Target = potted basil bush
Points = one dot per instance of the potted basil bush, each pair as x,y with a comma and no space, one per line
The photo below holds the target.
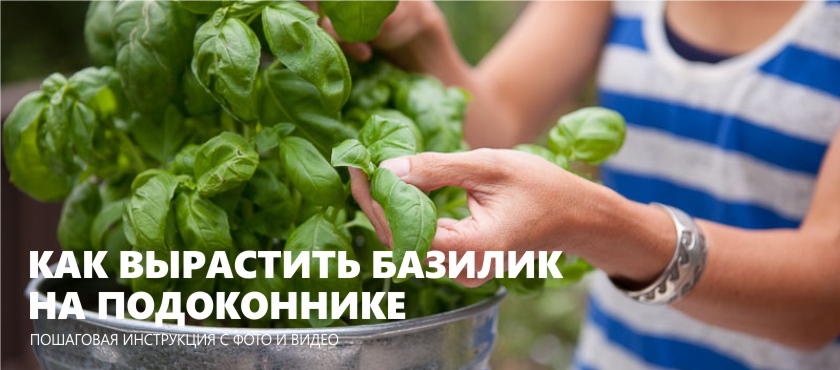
215,126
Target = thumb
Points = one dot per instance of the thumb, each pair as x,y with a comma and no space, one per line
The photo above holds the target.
469,170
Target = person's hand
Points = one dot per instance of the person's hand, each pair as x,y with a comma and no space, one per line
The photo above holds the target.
518,201
405,25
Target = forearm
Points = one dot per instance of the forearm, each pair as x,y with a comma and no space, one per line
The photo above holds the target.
778,284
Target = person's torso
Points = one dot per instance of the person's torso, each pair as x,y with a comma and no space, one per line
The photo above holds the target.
739,142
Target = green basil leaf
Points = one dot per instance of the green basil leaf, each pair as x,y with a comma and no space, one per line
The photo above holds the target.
85,125
147,210
295,38
223,163
202,224
107,233
77,215
358,20
387,136
149,223
311,174
53,84
268,138
92,100
153,39
319,234
161,139
115,189
231,202
99,38
438,111
286,97
244,240
27,168
589,135
369,93
227,56
410,213
114,242
100,89
184,162
274,206
197,101
55,133
110,214
352,153
77,122
262,285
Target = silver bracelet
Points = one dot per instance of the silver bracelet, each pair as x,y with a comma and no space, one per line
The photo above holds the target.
685,267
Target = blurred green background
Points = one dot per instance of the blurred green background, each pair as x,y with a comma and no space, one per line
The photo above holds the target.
38,38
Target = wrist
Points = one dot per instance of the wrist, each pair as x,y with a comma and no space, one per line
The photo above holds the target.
631,242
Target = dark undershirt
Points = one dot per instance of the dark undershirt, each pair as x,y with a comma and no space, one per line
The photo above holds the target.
690,52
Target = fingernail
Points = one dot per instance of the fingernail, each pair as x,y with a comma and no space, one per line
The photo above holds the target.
399,166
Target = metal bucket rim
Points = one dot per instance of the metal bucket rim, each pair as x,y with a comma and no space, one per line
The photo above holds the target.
357,331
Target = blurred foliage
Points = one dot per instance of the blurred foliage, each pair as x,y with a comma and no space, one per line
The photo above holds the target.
37,38
539,332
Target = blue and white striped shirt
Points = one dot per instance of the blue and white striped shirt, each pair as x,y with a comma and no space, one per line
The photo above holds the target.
739,142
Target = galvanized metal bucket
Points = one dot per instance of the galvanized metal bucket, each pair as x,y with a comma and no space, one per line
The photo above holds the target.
459,339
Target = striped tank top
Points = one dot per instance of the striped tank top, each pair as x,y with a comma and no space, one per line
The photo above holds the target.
739,142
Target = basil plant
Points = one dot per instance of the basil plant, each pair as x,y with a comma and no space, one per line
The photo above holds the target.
214,126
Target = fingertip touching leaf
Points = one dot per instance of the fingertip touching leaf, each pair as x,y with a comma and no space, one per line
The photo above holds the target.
410,213
351,153
389,134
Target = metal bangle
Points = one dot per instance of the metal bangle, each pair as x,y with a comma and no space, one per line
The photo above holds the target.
686,265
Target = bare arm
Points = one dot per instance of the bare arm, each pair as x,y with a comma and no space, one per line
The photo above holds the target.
779,284
523,83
